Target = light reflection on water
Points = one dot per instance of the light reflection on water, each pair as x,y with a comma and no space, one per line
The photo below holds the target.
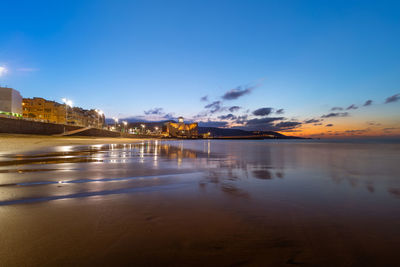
252,202
232,165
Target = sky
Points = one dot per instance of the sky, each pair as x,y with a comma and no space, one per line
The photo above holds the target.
305,68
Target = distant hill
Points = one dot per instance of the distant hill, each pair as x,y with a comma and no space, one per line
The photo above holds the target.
227,132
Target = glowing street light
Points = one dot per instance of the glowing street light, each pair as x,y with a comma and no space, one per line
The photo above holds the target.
115,121
100,113
125,124
67,103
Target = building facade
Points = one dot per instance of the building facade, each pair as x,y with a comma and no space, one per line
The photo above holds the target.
182,129
38,108
85,117
10,102
44,110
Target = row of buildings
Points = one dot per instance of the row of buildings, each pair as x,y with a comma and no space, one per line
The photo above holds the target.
12,104
178,129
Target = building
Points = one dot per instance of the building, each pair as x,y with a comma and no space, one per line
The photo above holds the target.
84,117
182,129
38,108
50,111
10,102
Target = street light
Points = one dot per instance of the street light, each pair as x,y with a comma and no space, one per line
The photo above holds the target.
115,121
100,113
67,103
125,123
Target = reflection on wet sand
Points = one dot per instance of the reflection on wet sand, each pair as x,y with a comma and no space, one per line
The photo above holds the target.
201,203
130,155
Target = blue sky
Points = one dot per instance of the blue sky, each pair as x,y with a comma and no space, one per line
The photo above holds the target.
126,57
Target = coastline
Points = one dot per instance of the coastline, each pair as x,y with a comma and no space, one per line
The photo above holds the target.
20,143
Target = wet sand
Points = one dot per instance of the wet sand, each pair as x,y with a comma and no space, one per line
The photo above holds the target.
202,203
18,143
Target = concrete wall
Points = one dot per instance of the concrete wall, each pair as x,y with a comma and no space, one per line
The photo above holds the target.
21,126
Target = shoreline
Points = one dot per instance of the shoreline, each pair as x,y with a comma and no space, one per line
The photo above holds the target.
21,143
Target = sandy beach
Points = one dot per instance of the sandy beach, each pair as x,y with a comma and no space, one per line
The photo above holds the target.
18,143
196,202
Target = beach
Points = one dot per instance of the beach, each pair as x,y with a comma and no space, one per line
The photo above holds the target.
18,143
200,202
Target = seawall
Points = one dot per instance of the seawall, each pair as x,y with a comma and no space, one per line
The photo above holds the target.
22,126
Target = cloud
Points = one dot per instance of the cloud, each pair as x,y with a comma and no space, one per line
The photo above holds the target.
214,106
253,122
367,103
234,108
263,124
237,92
204,98
266,124
211,123
361,131
373,123
169,116
329,125
262,111
391,129
336,108
241,119
317,134
280,111
288,124
154,111
352,107
340,114
3,70
393,98
227,117
311,121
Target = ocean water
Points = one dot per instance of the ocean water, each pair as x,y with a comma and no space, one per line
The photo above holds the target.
203,202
